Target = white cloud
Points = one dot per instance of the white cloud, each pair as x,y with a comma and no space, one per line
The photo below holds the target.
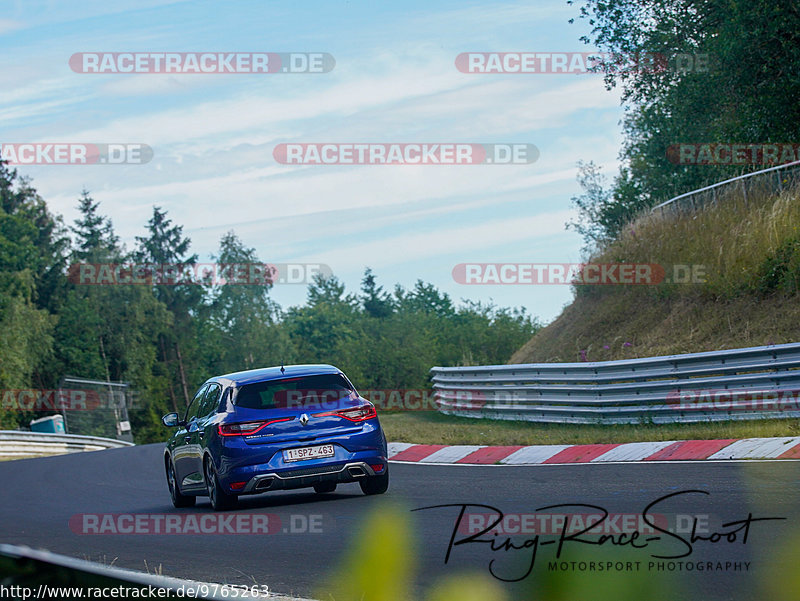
8,25
469,243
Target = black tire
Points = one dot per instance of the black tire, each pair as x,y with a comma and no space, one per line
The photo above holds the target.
178,500
221,500
323,487
375,485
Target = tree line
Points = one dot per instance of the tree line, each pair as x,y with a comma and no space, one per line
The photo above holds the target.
165,340
738,83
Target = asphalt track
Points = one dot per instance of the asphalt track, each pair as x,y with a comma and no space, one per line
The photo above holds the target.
41,496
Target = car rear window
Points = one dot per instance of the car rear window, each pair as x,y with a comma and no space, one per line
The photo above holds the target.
293,392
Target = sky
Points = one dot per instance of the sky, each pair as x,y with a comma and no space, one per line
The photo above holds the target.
394,81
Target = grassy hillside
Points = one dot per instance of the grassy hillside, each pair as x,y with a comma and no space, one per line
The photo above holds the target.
750,252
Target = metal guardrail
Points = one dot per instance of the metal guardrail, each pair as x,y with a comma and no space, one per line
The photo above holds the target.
698,197
35,573
21,444
749,383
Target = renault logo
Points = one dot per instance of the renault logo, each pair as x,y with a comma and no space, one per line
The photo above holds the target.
304,419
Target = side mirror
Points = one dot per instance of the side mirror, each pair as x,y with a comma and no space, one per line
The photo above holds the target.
171,420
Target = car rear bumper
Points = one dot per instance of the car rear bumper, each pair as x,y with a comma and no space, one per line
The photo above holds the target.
246,468
305,477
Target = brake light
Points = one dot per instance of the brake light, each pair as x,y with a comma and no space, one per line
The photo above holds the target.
247,428
354,414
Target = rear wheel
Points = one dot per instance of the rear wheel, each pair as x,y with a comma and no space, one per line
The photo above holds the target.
178,500
220,499
323,487
375,485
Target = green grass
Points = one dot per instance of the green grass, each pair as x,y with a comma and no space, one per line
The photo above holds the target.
750,250
427,427
735,240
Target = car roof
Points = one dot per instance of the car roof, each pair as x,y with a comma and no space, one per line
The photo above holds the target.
240,378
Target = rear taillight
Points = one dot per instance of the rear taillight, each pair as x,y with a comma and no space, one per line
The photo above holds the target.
354,414
247,428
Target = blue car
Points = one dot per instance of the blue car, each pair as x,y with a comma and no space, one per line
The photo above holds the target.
276,428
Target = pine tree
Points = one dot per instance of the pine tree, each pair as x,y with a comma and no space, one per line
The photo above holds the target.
96,240
167,249
376,302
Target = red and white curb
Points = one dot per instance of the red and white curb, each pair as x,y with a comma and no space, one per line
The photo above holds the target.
671,450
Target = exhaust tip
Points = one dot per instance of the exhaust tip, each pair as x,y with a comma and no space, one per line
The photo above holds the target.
264,484
356,471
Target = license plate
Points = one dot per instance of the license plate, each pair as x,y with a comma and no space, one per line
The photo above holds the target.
325,450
